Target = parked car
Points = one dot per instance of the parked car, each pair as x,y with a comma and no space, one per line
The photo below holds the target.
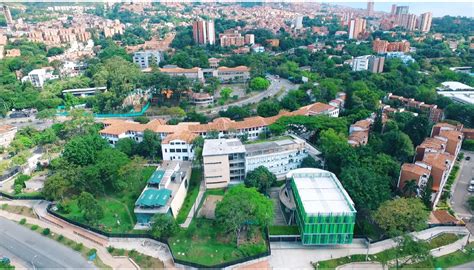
470,188
468,158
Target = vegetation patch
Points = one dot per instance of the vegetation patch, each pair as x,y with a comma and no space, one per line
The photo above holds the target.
19,210
144,261
191,196
283,230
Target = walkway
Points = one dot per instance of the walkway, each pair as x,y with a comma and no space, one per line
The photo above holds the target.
194,208
294,255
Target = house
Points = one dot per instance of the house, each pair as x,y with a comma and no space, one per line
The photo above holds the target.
7,134
178,146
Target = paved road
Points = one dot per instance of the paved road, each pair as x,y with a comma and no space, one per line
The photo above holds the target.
460,194
463,266
275,87
36,251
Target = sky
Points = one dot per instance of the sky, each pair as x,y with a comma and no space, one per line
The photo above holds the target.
438,9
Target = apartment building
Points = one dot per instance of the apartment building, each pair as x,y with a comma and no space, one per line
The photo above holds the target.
325,213
223,162
227,161
238,74
434,113
190,73
252,127
178,146
434,158
370,63
204,32
383,46
164,193
7,134
144,59
357,27
425,22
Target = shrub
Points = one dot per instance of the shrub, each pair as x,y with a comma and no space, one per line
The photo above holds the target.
34,227
110,249
60,238
78,246
470,201
23,221
91,252
46,231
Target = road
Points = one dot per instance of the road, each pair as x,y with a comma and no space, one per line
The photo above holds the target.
36,251
469,265
276,84
460,194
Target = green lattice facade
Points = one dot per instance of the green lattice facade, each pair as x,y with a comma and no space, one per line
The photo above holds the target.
323,229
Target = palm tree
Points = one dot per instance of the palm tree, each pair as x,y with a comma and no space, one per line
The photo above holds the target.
410,188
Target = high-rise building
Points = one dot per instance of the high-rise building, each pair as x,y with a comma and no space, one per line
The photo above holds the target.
425,22
7,14
356,27
203,32
393,10
144,59
401,10
411,22
370,8
370,63
299,22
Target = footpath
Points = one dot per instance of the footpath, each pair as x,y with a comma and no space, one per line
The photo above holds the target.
89,239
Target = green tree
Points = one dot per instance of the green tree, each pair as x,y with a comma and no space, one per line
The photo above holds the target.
260,178
164,226
310,162
259,84
127,146
427,192
150,146
268,108
410,188
243,208
90,208
235,113
225,93
404,149
82,150
401,215
418,128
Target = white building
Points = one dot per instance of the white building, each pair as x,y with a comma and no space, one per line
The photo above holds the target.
227,161
7,134
371,63
145,58
279,157
38,77
178,146
457,91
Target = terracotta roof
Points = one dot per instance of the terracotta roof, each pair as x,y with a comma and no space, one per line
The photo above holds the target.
315,108
438,160
239,68
180,70
451,135
415,169
200,95
433,143
443,217
358,137
365,123
6,128
186,136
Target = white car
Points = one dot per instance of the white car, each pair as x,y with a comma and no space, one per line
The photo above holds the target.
470,188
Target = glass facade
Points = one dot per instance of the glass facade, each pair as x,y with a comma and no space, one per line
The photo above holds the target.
323,228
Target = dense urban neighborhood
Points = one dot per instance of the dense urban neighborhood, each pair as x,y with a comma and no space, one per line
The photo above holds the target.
236,135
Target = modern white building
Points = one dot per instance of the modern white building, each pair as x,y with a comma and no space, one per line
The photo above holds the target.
164,193
457,91
371,63
178,146
38,77
227,161
145,58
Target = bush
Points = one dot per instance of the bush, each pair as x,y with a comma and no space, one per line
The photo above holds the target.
23,221
91,252
60,238
110,249
468,145
46,231
78,247
34,227
470,201
141,119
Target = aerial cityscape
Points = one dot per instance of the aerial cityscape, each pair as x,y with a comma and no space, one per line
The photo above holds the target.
236,135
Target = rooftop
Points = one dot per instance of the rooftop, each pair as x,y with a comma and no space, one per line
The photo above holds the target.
269,147
321,192
213,147
456,86
152,197
156,177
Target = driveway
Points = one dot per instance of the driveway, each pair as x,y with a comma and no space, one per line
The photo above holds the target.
460,195
36,251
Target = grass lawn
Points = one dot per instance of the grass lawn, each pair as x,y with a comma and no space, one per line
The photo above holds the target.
118,208
193,192
389,254
85,252
449,260
203,243
283,230
144,261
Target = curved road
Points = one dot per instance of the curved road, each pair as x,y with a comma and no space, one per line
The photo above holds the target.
35,251
276,84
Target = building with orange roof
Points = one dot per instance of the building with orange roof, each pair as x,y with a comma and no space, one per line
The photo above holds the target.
359,132
194,73
233,74
434,113
418,171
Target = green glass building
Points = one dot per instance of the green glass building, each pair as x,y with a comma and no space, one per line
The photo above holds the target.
325,213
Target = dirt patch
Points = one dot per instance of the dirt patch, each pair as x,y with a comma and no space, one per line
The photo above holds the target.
208,209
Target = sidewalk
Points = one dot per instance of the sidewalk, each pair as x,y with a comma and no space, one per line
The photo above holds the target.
294,255
202,189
